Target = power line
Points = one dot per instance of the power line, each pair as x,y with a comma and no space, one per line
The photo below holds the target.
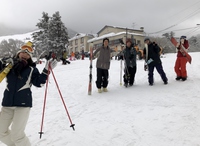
184,9
192,31
181,20
185,28
190,15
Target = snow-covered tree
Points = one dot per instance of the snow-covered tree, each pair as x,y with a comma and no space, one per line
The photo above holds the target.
58,36
10,47
52,34
41,37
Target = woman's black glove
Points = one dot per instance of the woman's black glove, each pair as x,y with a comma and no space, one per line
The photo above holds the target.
19,66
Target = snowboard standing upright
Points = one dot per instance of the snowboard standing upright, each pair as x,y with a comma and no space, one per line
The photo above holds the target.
120,72
146,58
90,74
183,51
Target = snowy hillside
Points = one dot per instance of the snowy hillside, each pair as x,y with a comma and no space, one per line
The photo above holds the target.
22,37
28,36
142,115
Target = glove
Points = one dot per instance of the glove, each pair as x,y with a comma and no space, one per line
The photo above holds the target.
120,57
7,60
145,67
19,66
52,62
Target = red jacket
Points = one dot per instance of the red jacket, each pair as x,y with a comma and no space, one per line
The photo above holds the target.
185,45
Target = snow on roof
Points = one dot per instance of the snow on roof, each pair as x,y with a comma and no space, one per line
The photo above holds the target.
119,27
112,34
80,35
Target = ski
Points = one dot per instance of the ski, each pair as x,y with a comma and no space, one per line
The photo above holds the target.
90,74
121,63
5,71
183,51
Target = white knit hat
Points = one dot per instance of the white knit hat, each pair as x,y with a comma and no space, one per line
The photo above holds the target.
28,48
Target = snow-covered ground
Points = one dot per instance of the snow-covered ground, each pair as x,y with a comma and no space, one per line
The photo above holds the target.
142,115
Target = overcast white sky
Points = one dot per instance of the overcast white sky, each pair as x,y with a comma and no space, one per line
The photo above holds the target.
88,16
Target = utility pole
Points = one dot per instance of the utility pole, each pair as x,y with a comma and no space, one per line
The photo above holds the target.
126,34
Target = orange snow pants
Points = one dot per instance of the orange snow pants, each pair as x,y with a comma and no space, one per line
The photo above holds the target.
180,67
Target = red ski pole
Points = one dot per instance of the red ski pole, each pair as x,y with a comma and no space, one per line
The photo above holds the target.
44,105
72,125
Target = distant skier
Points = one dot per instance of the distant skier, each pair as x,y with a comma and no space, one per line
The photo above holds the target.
129,54
152,57
82,54
72,57
64,58
181,61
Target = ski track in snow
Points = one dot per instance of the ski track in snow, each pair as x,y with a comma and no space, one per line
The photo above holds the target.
142,115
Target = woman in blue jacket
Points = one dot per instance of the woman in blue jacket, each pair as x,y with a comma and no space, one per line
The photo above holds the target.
17,99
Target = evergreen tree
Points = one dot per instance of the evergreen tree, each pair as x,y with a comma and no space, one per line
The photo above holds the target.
40,38
58,36
52,34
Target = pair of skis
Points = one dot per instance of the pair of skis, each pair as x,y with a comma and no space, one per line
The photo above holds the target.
5,71
90,73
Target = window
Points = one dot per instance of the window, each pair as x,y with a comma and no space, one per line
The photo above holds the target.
70,43
76,42
76,49
134,41
138,42
82,40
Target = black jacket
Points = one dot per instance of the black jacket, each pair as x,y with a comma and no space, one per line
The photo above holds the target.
18,90
153,53
130,56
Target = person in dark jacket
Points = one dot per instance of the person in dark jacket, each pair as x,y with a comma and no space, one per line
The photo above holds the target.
152,57
130,63
103,55
17,99
82,54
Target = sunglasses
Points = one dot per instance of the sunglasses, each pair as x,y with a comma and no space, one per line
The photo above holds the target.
27,48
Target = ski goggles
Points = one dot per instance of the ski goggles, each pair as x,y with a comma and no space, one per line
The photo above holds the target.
27,48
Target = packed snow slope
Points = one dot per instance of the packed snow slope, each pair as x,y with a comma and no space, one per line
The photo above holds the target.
142,115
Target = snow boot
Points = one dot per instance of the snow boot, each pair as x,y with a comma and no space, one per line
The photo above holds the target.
105,90
126,85
178,78
99,90
184,78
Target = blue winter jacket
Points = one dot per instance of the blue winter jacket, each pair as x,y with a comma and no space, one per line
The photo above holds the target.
18,90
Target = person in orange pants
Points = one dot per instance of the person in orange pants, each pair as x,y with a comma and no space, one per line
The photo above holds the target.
181,61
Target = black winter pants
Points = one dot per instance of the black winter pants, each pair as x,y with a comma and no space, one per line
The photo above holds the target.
159,69
102,78
129,76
